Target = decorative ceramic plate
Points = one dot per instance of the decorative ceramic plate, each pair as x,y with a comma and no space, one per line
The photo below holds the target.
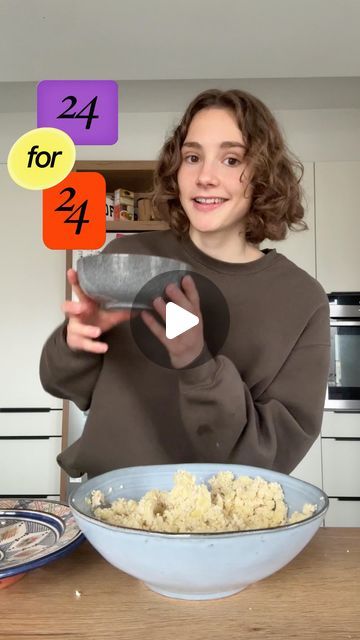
34,532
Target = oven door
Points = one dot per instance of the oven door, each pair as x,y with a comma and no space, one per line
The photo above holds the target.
343,392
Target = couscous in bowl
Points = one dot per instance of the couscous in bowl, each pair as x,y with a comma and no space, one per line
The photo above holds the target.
203,565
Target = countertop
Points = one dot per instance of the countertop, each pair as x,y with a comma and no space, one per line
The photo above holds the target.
81,596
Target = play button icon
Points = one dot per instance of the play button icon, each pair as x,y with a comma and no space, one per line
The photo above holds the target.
178,320
214,314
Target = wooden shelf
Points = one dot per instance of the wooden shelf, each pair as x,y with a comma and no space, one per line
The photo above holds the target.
135,175
115,165
138,225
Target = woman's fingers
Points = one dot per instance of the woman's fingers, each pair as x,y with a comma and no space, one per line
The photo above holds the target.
73,307
85,330
188,298
191,291
87,321
108,319
155,327
83,337
92,346
160,306
74,282
177,296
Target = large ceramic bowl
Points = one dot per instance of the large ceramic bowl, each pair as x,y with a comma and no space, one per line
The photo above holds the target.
119,280
196,566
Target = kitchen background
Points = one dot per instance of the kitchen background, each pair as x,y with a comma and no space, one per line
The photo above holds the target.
308,73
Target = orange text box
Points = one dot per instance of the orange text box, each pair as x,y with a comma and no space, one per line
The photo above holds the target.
74,212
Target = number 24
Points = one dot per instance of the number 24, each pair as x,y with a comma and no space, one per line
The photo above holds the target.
82,207
89,116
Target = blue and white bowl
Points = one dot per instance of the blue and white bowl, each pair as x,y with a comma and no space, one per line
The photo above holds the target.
188,565
34,532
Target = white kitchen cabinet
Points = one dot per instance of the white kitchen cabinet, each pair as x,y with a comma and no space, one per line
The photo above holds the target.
341,468
299,246
340,424
32,290
338,225
343,512
28,466
309,468
35,423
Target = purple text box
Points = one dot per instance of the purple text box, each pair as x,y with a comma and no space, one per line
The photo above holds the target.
97,99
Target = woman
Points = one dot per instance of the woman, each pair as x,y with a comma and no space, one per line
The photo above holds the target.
225,181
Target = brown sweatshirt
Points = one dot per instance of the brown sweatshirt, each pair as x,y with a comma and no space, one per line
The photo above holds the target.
258,402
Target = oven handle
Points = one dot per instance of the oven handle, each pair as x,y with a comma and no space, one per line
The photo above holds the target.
344,323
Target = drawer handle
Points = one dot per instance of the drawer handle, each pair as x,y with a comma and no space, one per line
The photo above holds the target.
28,437
341,438
25,409
343,412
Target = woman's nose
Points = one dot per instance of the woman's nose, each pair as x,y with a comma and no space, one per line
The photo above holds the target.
207,175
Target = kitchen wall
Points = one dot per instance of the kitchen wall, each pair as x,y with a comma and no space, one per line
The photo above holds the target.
314,134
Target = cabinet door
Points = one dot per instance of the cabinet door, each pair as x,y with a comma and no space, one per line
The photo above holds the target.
341,471
32,423
32,290
343,513
338,225
310,468
337,424
29,466
300,246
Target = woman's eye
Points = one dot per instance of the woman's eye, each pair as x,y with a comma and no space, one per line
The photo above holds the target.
233,162
190,158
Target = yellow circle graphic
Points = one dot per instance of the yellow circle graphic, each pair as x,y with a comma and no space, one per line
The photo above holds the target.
41,158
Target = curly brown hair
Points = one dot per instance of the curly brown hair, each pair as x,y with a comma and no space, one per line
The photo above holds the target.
276,173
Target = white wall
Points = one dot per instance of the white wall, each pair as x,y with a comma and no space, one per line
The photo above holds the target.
314,134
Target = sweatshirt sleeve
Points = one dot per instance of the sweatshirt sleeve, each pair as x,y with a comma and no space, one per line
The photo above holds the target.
272,430
67,374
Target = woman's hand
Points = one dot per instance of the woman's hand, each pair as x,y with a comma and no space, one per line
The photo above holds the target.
187,346
87,321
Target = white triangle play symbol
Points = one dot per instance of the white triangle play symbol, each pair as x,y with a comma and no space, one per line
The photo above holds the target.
178,320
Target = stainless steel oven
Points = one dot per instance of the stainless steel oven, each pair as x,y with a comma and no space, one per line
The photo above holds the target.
343,392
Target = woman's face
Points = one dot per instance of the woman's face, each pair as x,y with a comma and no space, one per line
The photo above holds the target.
212,163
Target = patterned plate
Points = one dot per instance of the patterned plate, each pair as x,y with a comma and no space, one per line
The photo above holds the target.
33,533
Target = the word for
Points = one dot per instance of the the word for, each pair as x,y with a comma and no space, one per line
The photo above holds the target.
49,159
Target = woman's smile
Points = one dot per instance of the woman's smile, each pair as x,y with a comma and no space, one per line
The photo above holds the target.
204,204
